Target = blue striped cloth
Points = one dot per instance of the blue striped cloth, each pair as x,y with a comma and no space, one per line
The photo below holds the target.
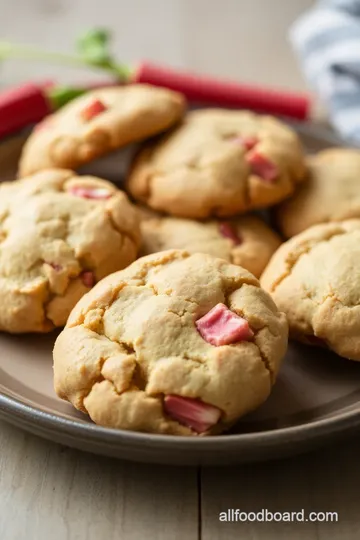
327,39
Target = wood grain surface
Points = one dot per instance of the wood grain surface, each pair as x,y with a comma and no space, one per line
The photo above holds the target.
48,492
322,481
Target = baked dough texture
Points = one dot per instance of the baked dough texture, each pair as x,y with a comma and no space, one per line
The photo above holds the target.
132,343
97,123
246,241
314,278
331,192
59,234
218,163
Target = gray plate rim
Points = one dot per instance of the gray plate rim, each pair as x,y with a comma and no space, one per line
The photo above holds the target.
314,430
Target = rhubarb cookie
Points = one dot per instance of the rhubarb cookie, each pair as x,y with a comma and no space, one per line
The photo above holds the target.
97,123
218,163
175,343
246,241
314,278
59,235
331,193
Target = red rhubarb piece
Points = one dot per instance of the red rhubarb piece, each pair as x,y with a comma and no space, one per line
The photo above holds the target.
90,193
88,278
262,166
246,142
194,413
220,326
94,108
228,231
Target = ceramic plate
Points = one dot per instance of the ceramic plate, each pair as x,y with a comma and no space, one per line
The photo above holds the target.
316,397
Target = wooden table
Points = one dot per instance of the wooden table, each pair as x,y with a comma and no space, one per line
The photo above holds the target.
48,492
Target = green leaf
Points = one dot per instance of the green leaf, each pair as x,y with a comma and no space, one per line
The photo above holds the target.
60,95
94,49
93,46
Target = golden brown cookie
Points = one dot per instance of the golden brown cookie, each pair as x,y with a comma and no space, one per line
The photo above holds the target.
97,123
59,235
331,193
218,163
314,278
175,343
246,241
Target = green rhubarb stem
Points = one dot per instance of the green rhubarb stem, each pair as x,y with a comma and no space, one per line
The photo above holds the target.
9,50
61,95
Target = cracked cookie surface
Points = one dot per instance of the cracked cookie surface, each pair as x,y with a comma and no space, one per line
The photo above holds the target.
314,278
331,192
246,241
137,351
59,235
97,123
218,163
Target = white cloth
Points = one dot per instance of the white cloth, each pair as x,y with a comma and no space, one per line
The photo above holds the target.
327,39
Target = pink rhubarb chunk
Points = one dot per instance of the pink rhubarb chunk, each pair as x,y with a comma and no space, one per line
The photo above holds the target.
221,327
87,278
262,166
90,193
246,142
93,109
227,230
194,413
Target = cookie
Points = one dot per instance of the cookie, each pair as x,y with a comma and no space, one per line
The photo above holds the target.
97,123
314,278
218,163
246,241
59,235
331,193
175,343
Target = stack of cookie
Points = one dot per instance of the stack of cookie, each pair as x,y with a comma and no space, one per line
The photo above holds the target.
62,233
216,165
183,341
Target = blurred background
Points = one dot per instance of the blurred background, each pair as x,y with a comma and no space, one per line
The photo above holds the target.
241,39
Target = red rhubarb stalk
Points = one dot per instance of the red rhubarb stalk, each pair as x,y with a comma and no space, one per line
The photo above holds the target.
21,106
202,89
31,102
